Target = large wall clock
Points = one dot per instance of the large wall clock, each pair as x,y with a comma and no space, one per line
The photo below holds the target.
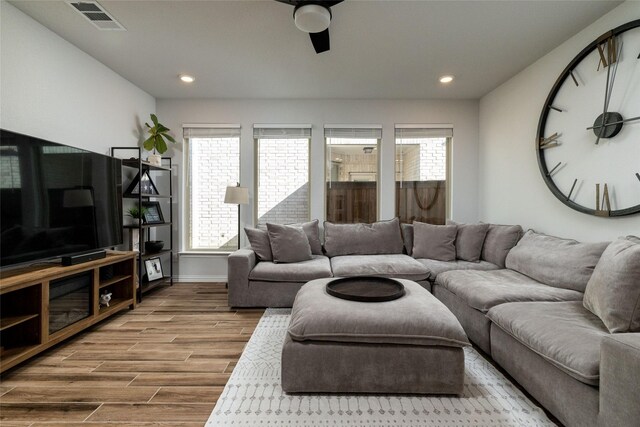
588,140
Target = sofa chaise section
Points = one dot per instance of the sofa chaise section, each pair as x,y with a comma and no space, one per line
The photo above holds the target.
566,358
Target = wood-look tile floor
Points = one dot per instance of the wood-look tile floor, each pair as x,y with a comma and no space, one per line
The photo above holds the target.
164,363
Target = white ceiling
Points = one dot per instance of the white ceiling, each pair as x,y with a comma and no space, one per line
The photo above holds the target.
379,49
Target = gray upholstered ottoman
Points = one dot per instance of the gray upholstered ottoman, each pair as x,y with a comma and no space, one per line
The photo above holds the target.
409,345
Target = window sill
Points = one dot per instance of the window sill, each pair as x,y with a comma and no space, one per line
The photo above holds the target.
203,254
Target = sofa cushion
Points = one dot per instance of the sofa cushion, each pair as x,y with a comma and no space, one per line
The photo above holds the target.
564,333
469,241
483,290
613,292
407,237
417,318
434,241
259,242
382,237
563,263
288,243
395,265
316,268
436,267
498,242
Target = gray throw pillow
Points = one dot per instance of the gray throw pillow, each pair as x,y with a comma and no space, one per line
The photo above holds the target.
259,242
434,241
288,243
383,237
499,241
469,241
312,230
613,292
407,236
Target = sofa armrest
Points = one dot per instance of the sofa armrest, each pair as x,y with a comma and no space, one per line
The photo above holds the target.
240,264
620,380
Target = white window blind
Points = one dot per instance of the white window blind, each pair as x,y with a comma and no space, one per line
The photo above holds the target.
412,132
353,132
211,131
281,131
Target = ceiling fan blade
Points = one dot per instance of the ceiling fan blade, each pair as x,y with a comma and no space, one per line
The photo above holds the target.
320,41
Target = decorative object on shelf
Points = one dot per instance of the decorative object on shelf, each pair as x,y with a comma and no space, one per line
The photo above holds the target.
154,268
587,140
156,141
104,299
153,214
144,185
134,242
153,246
236,195
137,213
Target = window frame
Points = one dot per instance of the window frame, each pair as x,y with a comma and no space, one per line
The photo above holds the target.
379,141
448,152
185,240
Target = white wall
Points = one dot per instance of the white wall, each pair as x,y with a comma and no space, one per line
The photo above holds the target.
511,187
462,114
52,90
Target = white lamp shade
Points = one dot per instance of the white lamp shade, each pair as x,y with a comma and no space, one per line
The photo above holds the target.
237,195
312,18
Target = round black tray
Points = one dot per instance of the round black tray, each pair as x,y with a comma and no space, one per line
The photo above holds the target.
366,289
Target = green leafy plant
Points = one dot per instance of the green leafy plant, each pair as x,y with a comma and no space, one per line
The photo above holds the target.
137,212
158,133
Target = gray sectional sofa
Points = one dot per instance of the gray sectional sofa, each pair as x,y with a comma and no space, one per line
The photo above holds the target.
536,304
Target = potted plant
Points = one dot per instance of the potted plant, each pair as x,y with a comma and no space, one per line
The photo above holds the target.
157,141
137,213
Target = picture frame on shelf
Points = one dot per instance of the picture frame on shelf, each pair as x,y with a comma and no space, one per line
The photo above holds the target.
153,213
154,269
142,185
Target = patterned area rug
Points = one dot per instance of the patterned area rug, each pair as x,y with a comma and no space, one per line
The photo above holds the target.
253,396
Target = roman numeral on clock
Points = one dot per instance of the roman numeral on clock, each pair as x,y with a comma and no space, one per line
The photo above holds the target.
544,142
607,50
606,203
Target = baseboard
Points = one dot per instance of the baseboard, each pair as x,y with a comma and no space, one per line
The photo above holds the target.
196,278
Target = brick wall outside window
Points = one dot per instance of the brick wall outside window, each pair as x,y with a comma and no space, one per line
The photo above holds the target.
283,181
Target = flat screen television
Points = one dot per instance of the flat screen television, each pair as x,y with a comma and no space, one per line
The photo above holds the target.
56,200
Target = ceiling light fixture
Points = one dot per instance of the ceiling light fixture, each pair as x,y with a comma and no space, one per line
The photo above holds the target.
312,18
446,79
187,78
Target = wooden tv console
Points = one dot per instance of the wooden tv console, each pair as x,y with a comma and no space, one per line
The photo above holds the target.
25,302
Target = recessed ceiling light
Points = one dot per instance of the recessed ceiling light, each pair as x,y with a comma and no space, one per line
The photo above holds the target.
187,78
446,79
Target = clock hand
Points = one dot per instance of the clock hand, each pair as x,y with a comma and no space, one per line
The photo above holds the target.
615,123
607,93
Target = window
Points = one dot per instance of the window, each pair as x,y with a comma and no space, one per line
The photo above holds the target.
421,173
282,175
213,163
352,173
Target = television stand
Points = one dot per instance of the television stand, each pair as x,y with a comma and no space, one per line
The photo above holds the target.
42,306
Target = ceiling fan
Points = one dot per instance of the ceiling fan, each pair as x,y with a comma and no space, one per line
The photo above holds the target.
314,17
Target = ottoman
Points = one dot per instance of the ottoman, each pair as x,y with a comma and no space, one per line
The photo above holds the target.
411,345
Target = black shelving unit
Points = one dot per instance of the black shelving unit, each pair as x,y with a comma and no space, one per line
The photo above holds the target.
135,162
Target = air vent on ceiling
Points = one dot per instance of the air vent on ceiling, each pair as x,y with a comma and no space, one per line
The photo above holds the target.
95,14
